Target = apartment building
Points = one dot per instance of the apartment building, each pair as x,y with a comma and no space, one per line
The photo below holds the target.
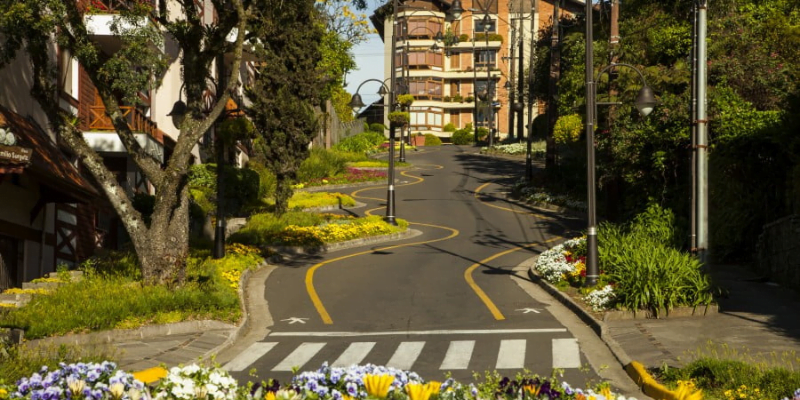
450,64
50,212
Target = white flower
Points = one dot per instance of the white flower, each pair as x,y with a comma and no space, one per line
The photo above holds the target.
601,299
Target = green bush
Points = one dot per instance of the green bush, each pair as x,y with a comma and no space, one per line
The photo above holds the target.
266,179
376,127
450,127
462,136
651,274
321,164
568,129
361,143
242,186
432,140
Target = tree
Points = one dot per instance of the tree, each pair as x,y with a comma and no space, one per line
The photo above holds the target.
288,86
31,27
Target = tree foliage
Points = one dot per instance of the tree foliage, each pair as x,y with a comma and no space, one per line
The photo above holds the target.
287,88
32,28
753,99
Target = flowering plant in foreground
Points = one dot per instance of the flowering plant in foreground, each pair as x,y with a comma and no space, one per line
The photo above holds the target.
89,381
197,382
567,262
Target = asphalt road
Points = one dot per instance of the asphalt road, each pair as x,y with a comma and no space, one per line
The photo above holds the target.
445,300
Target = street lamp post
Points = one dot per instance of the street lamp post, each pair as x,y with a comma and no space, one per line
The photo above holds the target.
645,101
356,103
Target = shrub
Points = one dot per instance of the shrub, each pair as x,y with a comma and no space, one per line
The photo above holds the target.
432,140
266,179
568,129
458,98
377,127
308,229
405,100
399,118
469,99
450,127
242,185
321,164
463,37
462,136
305,200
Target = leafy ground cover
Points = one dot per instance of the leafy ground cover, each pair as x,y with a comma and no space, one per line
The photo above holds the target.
350,175
111,295
306,229
725,373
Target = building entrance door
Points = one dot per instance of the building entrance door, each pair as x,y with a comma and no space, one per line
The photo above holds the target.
9,258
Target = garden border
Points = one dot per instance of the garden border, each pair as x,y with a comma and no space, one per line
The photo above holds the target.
634,369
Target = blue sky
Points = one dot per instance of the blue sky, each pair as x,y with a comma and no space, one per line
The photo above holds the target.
369,59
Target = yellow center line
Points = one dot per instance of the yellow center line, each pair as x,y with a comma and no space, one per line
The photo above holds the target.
481,294
312,292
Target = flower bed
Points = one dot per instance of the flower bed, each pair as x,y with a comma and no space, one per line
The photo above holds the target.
351,175
104,381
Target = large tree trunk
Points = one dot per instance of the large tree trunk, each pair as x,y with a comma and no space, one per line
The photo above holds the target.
164,247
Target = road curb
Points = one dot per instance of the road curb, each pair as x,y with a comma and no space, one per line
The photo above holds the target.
635,370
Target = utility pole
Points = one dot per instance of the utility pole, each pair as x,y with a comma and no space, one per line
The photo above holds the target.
693,125
511,76
702,135
555,75
528,156
521,65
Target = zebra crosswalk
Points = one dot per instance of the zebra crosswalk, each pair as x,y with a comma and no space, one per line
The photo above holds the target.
458,355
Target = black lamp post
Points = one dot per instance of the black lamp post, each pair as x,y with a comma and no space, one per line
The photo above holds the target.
356,103
645,102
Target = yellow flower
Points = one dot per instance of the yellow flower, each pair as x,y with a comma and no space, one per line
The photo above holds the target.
270,395
434,386
116,390
378,385
418,391
3,393
686,392
606,392
531,390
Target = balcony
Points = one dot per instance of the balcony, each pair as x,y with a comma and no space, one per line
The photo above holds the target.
112,6
99,16
102,136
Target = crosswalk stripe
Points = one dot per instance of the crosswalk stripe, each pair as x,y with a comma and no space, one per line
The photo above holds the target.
415,333
405,355
249,356
511,354
354,354
301,355
458,354
566,353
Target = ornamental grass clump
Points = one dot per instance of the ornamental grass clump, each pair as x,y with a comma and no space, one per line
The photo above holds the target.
639,268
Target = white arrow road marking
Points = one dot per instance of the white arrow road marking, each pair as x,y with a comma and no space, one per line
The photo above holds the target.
528,310
292,320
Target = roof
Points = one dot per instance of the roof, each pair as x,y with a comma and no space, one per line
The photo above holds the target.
51,168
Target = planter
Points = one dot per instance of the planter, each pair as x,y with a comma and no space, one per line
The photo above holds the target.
417,140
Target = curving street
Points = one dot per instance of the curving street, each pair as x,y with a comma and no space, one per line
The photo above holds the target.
449,297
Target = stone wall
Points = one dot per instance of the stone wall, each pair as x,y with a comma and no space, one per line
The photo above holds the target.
777,251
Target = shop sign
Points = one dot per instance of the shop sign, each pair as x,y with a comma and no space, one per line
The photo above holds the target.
10,154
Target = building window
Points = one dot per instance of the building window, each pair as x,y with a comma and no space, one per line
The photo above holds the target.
422,28
485,58
68,73
426,118
479,26
480,86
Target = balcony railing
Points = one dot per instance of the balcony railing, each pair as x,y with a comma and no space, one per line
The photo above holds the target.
112,6
138,122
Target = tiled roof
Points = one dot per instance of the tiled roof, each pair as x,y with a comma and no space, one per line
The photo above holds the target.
48,164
